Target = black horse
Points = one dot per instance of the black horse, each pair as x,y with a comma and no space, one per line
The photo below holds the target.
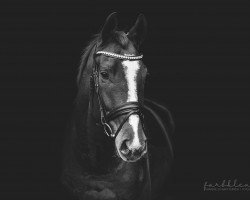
118,145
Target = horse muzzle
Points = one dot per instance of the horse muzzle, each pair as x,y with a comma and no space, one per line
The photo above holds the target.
130,152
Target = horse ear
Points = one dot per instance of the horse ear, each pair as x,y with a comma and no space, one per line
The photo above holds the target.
138,32
109,26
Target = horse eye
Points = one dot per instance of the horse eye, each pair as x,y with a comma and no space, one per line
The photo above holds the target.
105,75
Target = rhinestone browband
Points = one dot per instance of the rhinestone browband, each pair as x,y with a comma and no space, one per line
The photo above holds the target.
123,57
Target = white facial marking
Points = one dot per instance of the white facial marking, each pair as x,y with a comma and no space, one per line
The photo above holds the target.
134,122
131,69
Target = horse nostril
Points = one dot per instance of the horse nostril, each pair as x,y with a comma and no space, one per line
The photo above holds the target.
124,148
144,147
141,149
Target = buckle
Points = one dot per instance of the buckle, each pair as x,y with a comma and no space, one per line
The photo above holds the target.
108,130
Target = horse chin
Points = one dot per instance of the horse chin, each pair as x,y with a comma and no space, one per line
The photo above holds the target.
132,158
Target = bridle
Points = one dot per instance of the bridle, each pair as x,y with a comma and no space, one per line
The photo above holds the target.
126,109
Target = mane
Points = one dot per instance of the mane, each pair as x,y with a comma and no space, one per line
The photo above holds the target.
85,57
118,37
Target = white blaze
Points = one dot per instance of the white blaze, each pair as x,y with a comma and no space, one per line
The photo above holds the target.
131,69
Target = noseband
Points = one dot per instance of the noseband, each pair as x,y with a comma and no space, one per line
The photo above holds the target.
127,109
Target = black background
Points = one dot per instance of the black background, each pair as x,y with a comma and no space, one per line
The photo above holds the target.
196,52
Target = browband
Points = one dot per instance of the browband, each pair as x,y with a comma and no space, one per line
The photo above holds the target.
122,57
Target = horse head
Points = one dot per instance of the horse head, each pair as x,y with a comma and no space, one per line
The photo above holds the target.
118,79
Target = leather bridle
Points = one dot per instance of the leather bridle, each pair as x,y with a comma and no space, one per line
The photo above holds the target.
127,109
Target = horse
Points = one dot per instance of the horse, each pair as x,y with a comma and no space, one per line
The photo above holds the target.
118,145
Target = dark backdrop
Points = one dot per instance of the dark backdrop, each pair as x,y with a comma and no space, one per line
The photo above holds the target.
196,52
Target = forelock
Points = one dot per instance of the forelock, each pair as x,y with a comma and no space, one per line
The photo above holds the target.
121,38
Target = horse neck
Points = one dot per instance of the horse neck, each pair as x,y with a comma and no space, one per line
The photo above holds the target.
97,147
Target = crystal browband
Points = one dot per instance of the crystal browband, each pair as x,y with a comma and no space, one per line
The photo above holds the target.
122,57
